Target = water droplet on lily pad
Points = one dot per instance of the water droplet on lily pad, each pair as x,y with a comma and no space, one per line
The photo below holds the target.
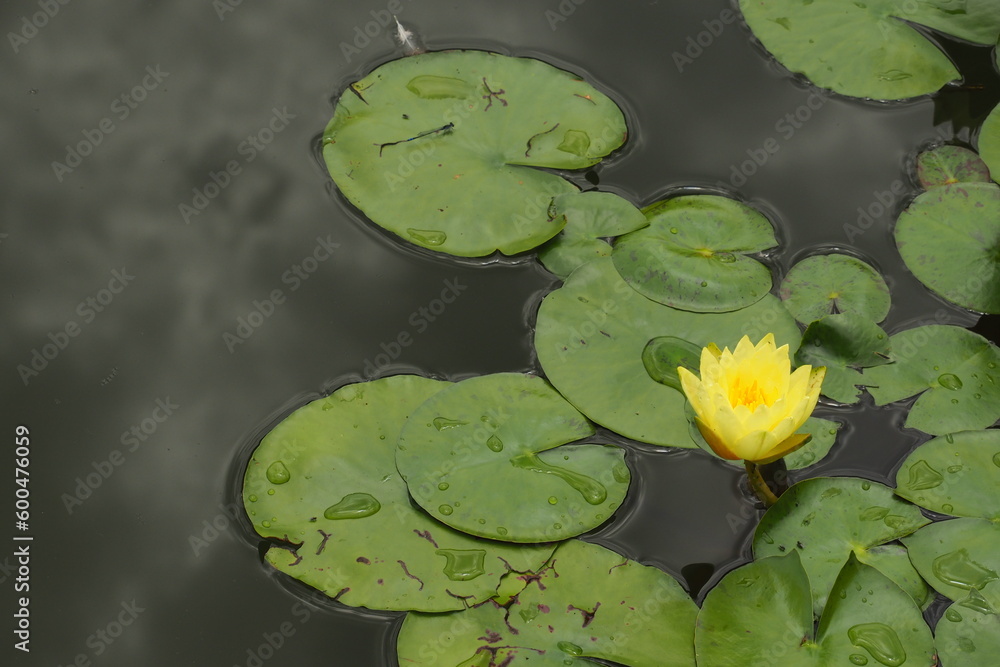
253,498
463,564
277,473
953,615
866,485
495,443
553,500
996,459
858,659
591,490
270,492
977,602
880,641
947,508
353,506
874,514
950,381
958,569
443,486
570,648
501,530
923,476
443,423
446,509
430,237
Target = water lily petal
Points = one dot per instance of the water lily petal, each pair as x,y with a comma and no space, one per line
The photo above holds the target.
717,444
755,445
786,447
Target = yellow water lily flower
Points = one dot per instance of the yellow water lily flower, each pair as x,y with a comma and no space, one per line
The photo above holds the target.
748,403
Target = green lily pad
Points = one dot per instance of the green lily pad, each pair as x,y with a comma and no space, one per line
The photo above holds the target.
828,284
589,602
590,336
441,148
826,519
953,369
968,634
324,480
956,474
843,343
692,255
824,435
947,165
869,49
957,555
590,217
484,457
949,238
762,614
989,138
893,561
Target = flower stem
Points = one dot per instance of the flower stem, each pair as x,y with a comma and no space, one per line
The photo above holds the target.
758,485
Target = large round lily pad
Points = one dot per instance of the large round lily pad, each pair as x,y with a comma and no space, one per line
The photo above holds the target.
590,217
591,334
761,614
957,556
869,49
589,602
828,518
693,254
829,284
949,237
954,370
957,474
441,148
484,457
324,481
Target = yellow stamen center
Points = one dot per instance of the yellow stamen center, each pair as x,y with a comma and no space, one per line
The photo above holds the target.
750,395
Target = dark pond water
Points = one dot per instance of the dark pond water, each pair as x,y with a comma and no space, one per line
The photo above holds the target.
140,414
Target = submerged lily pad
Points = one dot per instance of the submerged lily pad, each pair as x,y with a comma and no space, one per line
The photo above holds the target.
692,255
663,355
947,165
869,49
949,238
829,284
968,634
484,457
441,148
989,137
957,474
957,555
953,369
826,519
590,217
590,336
762,614
324,480
843,344
588,602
